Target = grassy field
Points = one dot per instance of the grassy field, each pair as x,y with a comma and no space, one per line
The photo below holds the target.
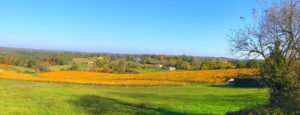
23,69
12,68
26,97
59,68
150,70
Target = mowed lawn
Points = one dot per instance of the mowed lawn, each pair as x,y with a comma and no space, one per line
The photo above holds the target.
30,98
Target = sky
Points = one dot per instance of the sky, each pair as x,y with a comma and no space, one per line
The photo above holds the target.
173,27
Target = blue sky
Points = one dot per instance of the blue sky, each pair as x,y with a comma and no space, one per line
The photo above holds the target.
177,27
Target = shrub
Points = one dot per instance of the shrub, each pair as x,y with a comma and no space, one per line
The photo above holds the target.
74,67
246,82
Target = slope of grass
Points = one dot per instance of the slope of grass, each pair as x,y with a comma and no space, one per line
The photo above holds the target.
27,98
60,67
24,69
150,69
84,67
9,68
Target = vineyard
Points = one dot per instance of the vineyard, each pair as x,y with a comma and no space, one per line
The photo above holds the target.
7,67
181,78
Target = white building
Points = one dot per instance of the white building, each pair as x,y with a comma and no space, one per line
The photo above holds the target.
172,68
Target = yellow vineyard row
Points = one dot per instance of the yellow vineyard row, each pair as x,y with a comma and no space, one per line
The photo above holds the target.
147,79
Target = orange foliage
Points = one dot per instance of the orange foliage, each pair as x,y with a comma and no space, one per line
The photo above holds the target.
147,79
7,67
16,76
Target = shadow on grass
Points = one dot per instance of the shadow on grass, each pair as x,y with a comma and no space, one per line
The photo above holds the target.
230,86
221,85
96,105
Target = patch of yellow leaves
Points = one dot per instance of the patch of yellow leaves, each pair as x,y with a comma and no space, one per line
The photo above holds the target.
147,79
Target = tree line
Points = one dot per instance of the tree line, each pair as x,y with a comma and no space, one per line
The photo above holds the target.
41,60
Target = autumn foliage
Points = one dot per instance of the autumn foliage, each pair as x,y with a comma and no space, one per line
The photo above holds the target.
179,78
7,67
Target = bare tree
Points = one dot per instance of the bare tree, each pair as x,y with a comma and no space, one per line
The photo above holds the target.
275,37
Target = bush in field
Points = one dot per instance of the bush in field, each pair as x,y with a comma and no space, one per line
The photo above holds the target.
74,67
247,82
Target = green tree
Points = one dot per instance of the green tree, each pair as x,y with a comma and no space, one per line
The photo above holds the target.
74,67
253,63
240,63
276,39
31,63
101,62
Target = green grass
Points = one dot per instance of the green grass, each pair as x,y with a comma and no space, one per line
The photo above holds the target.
153,69
29,98
59,68
150,69
84,66
24,69
67,67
